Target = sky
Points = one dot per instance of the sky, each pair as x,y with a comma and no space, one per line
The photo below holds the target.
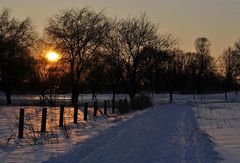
218,20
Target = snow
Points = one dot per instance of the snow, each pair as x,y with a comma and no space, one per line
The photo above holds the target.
30,99
222,122
35,147
165,133
195,128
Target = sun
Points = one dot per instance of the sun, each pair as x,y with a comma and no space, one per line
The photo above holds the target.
52,56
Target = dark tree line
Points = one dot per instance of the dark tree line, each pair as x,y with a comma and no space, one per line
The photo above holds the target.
16,63
98,53
230,64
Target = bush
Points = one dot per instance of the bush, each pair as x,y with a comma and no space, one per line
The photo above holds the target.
141,102
123,106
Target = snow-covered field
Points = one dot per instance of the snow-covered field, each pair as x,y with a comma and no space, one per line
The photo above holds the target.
37,146
58,99
222,122
215,129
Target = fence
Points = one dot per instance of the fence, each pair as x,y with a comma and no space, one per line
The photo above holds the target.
76,116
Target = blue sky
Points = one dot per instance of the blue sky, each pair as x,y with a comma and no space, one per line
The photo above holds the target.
217,20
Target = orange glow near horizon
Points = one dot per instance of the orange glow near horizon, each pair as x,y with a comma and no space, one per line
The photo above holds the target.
52,56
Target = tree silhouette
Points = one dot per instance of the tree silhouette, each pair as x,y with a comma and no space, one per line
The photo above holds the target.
228,63
231,66
16,38
237,54
79,35
130,39
202,45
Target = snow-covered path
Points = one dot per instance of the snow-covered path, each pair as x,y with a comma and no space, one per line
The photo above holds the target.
166,133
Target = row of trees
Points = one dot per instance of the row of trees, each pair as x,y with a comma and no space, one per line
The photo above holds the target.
104,54
231,66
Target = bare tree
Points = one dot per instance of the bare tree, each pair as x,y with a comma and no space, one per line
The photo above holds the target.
79,35
229,64
49,73
16,38
236,50
175,68
113,57
130,39
202,45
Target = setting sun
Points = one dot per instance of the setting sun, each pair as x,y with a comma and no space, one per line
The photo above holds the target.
52,56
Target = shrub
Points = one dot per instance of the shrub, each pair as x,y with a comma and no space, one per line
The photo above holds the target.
123,106
141,102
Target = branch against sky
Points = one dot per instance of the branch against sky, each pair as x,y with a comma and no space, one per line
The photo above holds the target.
78,34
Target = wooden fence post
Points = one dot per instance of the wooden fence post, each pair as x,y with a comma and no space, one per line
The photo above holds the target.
95,109
75,119
105,107
21,123
61,116
85,111
44,119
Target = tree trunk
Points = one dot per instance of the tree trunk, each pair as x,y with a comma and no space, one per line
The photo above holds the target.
132,89
132,96
74,99
171,96
113,95
236,89
8,96
75,93
93,95
225,92
6,85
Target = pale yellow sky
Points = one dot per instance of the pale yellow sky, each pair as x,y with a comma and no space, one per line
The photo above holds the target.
217,20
